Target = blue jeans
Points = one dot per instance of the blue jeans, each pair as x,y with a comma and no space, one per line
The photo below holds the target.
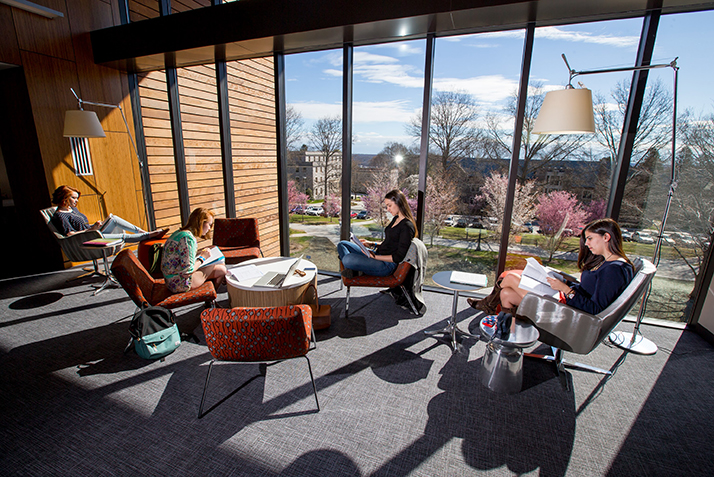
117,228
352,257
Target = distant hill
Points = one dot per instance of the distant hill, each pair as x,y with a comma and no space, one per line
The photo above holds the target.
362,159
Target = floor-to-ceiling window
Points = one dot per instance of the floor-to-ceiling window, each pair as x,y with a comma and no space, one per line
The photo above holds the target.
388,93
475,82
314,140
689,225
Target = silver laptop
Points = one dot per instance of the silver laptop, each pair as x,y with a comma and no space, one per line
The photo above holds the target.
276,279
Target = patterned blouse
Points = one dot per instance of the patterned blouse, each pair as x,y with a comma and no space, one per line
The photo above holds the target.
178,259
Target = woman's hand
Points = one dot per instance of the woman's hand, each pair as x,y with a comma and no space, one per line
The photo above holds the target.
96,225
557,285
205,253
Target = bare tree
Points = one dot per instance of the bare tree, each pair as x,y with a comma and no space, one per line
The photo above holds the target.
537,150
326,137
451,133
653,133
493,194
293,127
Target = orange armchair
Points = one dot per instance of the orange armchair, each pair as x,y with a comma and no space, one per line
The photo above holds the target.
144,290
394,280
257,335
238,239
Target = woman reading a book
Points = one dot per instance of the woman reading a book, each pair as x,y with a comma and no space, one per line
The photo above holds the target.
383,258
606,272
181,262
69,221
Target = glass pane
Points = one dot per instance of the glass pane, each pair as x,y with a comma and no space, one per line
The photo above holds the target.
475,77
689,223
563,180
314,136
388,89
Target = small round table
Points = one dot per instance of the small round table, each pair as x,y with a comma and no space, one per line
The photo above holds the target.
108,277
443,279
242,293
502,362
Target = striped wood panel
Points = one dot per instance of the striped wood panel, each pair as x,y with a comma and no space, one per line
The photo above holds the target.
159,149
202,142
252,109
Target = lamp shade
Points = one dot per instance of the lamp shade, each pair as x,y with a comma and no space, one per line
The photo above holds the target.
566,111
79,123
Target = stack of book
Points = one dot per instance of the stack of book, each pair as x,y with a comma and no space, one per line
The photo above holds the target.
103,242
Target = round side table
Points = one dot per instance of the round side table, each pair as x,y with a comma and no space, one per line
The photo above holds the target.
502,363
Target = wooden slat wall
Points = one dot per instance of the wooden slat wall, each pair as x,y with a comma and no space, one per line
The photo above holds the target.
159,149
56,55
143,9
252,107
202,143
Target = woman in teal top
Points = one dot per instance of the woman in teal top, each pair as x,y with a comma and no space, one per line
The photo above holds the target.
180,260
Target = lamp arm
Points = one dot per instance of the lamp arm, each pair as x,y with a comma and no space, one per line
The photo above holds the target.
113,106
573,73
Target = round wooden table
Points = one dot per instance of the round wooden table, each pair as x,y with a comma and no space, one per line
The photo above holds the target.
242,293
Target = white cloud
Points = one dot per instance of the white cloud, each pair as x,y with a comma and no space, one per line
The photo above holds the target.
485,89
555,33
559,34
363,111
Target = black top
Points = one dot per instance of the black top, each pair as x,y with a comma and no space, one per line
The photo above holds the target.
66,222
599,288
397,239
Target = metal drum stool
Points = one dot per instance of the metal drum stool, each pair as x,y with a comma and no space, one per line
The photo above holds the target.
502,363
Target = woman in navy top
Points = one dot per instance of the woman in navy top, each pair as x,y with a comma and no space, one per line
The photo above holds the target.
606,271
398,237
68,220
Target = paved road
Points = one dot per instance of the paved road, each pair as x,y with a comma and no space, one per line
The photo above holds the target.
673,269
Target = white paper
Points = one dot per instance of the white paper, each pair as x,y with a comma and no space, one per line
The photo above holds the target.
365,250
534,278
215,255
474,279
245,272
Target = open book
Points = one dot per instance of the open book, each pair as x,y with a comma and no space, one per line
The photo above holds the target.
365,250
533,278
215,257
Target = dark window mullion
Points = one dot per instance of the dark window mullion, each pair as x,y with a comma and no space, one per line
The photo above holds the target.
516,148
281,148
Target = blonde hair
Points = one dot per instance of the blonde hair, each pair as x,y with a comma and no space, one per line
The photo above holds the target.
196,220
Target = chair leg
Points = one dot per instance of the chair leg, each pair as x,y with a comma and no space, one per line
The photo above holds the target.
205,389
314,388
347,303
411,303
91,272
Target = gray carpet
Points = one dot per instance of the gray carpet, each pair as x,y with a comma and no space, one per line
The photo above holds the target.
394,401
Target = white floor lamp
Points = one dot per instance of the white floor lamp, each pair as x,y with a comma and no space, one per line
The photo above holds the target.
570,111
81,123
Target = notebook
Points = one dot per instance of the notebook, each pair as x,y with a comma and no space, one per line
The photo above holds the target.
276,279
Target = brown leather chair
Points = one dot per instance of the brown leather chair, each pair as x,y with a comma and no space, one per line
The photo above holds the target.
258,335
145,290
238,239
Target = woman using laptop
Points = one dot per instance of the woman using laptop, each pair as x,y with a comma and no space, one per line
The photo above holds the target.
180,259
384,257
68,220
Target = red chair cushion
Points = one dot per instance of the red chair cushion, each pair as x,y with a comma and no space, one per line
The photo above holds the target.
390,281
258,334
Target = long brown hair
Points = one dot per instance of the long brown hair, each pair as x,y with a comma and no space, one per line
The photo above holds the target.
588,260
62,194
400,199
196,220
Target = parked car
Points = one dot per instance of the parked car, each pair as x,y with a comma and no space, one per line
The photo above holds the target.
532,227
461,222
362,214
626,235
449,221
642,236
353,214
314,210
296,210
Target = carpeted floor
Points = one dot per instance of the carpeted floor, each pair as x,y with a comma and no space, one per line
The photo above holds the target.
394,401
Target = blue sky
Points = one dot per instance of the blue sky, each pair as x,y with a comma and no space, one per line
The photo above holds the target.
388,78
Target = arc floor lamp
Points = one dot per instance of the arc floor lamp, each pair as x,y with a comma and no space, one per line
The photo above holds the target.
82,123
570,111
